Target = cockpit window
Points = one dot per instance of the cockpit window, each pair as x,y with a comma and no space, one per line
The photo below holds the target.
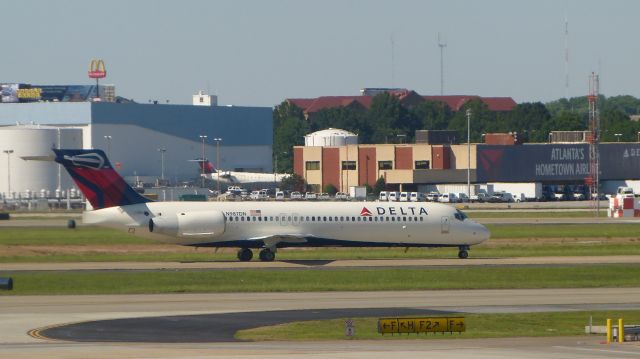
460,216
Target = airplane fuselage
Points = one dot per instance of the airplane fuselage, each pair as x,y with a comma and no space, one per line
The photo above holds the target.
277,224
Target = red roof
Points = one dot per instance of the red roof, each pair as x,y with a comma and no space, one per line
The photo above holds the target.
312,105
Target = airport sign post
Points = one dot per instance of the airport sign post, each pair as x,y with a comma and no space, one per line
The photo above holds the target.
421,325
349,328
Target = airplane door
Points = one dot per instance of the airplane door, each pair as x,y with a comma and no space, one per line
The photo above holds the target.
444,225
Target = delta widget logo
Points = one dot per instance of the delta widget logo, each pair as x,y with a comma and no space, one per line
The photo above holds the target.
365,212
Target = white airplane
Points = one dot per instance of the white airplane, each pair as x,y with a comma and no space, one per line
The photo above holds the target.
265,225
235,177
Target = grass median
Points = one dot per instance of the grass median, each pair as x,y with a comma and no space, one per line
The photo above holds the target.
478,326
272,280
90,244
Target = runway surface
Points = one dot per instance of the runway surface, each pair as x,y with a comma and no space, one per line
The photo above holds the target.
21,314
321,264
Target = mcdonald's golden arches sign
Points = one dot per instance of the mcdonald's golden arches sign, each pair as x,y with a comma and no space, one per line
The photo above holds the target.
97,70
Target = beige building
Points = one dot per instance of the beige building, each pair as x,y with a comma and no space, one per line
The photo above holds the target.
403,166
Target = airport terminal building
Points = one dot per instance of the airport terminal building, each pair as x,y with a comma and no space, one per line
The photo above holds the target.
423,166
133,136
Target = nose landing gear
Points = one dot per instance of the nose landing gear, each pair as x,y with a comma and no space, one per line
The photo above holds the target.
463,252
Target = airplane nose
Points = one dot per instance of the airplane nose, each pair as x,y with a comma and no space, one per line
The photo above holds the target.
482,232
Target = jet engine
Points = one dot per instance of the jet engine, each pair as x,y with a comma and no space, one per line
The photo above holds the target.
197,224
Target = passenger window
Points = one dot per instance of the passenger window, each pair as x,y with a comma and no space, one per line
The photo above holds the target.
307,218
335,218
329,219
409,219
289,218
353,219
421,219
324,219
393,219
260,219
404,219
341,218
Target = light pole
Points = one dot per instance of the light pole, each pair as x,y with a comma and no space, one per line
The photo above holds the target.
8,152
162,150
218,139
108,139
468,153
617,136
203,138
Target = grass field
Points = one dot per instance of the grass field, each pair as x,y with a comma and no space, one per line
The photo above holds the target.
479,214
263,280
98,244
478,326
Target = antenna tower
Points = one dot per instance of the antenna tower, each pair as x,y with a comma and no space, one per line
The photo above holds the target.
593,181
566,59
393,62
442,45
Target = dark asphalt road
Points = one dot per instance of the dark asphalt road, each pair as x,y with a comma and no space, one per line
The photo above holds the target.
209,328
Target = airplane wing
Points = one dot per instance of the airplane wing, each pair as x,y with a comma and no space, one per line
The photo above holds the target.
46,158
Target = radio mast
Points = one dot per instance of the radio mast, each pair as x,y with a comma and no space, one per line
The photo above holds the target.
594,140
442,45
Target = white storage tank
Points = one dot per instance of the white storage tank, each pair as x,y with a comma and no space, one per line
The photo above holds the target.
20,178
331,137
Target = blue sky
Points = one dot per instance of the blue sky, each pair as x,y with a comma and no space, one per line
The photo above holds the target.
258,53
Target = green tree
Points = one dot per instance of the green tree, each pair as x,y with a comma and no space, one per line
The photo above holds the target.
379,186
289,128
390,120
330,189
432,115
482,121
293,183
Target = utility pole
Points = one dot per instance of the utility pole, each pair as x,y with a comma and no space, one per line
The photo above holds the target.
203,138
218,139
162,151
442,45
468,153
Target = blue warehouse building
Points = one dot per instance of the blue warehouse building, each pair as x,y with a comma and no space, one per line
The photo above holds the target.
132,134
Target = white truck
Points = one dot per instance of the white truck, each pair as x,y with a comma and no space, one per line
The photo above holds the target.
525,191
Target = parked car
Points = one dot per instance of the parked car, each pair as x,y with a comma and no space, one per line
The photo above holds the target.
579,196
433,196
462,197
324,196
448,198
384,196
417,197
518,197
295,195
501,197
404,197
480,197
279,196
394,196
310,195
341,196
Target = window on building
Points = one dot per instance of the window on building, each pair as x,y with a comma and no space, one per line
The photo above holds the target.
422,165
385,165
312,165
348,165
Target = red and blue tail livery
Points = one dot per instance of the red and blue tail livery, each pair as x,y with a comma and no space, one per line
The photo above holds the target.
95,177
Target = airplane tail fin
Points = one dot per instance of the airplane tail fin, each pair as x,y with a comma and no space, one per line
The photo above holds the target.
206,166
99,182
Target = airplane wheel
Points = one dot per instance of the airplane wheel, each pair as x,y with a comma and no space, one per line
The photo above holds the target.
463,254
245,254
267,255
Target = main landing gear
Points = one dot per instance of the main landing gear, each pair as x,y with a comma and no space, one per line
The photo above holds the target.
245,254
463,253
266,255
